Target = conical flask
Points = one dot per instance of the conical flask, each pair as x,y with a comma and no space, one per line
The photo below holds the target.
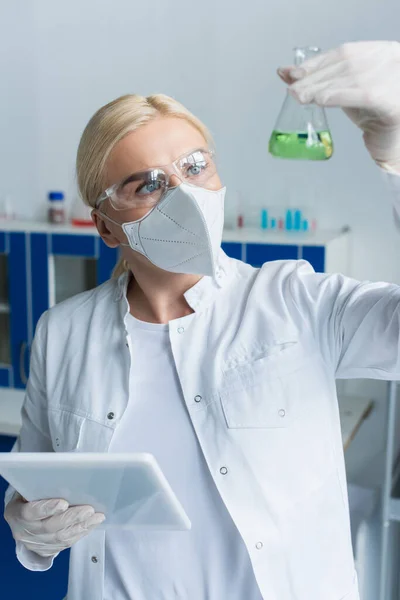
301,130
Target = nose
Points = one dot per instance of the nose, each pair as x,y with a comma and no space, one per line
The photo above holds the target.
174,181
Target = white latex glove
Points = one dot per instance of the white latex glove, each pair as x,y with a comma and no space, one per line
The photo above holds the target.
363,78
49,526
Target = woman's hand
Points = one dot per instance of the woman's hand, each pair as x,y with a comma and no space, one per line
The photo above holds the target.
49,526
363,78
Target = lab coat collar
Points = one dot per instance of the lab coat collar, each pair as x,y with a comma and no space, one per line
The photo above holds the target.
203,292
198,297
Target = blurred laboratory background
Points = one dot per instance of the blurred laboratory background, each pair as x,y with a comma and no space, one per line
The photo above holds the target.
61,61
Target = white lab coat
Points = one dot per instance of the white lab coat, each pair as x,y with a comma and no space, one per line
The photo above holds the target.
262,350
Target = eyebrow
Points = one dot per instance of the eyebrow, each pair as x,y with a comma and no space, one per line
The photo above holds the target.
141,175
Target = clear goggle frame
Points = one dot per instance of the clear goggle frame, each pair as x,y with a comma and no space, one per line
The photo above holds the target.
145,189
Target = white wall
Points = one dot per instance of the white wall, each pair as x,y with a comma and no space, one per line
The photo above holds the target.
62,61
217,57
91,52
18,106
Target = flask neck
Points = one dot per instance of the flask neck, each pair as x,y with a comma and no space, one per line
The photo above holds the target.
303,53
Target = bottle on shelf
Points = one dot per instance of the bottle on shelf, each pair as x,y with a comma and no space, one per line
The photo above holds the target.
56,209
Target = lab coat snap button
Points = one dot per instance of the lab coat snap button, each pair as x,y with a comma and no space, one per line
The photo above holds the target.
110,416
181,329
282,413
259,545
57,441
94,559
223,470
197,398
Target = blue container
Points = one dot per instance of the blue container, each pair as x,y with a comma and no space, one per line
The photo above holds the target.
289,220
56,210
297,220
264,219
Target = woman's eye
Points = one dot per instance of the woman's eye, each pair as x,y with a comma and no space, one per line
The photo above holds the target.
196,169
148,188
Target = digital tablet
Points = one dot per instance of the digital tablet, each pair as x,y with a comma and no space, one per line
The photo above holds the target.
130,489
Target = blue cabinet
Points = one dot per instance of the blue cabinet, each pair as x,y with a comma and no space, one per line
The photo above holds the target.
14,312
233,249
315,255
28,278
41,264
44,249
325,252
258,254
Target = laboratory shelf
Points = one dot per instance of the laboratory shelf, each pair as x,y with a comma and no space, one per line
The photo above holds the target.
390,512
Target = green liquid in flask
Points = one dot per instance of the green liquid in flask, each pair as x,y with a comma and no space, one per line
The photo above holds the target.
301,145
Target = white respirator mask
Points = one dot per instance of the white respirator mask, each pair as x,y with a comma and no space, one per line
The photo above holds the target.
181,234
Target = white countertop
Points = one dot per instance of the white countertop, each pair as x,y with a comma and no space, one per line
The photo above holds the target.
297,238
44,227
246,234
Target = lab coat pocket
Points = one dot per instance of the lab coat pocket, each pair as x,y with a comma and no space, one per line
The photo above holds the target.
65,430
253,394
258,404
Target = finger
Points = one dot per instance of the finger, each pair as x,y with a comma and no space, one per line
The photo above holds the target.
325,59
309,95
42,509
309,66
51,543
343,98
75,514
74,533
321,92
354,51
284,74
325,75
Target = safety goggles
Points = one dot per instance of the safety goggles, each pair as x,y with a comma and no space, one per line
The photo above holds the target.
145,189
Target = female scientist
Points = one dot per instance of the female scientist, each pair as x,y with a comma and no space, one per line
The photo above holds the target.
224,372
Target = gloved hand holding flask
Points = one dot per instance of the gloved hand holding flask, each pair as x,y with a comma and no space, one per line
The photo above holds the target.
363,79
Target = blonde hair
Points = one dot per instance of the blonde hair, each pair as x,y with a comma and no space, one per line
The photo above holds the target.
107,127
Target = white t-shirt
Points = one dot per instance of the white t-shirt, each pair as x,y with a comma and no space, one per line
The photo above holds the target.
209,562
